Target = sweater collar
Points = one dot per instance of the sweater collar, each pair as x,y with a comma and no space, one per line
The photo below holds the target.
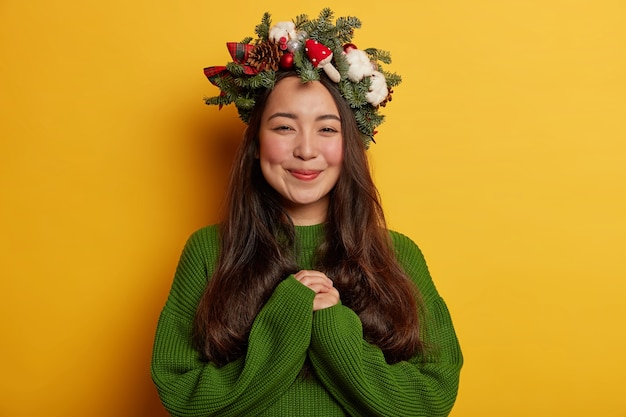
310,236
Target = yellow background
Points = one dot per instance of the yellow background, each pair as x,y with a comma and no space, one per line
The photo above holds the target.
503,156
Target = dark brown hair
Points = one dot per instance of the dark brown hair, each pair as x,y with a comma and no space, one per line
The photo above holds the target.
258,252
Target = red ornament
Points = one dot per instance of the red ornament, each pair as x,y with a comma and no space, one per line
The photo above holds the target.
286,61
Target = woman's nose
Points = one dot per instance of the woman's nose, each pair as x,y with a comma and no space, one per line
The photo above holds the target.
305,148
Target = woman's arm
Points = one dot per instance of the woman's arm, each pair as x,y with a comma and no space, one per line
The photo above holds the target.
276,353
356,373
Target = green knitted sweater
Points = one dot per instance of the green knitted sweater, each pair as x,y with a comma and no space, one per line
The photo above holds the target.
351,376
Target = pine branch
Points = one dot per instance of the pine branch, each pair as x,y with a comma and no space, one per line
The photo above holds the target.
326,14
263,29
379,55
244,103
392,78
341,63
300,21
345,28
235,69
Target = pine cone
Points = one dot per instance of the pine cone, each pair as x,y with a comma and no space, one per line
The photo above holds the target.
265,56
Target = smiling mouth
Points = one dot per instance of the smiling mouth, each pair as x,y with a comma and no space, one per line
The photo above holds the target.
304,175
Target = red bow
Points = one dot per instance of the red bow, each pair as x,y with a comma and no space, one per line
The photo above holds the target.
239,52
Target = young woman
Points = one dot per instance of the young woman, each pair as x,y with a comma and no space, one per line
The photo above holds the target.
301,302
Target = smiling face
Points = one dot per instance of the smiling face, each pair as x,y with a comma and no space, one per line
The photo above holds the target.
301,147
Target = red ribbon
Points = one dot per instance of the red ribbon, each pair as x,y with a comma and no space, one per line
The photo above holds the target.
239,52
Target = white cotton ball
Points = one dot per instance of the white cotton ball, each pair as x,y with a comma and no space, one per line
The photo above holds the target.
360,65
285,30
378,89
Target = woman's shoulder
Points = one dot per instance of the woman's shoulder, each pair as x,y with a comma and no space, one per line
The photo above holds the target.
403,243
204,241
407,251
412,260
207,233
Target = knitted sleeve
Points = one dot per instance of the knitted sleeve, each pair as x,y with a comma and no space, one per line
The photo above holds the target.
356,373
276,352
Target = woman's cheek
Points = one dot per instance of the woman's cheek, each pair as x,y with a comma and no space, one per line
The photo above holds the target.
334,154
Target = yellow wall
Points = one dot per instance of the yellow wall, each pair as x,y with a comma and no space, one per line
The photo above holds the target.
504,157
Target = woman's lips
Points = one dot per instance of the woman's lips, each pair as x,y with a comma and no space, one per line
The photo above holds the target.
304,174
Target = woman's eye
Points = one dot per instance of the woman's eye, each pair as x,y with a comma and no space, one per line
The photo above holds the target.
280,128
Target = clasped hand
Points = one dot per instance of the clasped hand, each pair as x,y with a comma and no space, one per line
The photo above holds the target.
326,295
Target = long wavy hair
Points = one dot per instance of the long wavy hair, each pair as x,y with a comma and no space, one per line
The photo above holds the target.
258,252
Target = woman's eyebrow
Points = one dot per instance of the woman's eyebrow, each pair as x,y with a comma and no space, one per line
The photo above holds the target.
329,117
282,114
293,116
